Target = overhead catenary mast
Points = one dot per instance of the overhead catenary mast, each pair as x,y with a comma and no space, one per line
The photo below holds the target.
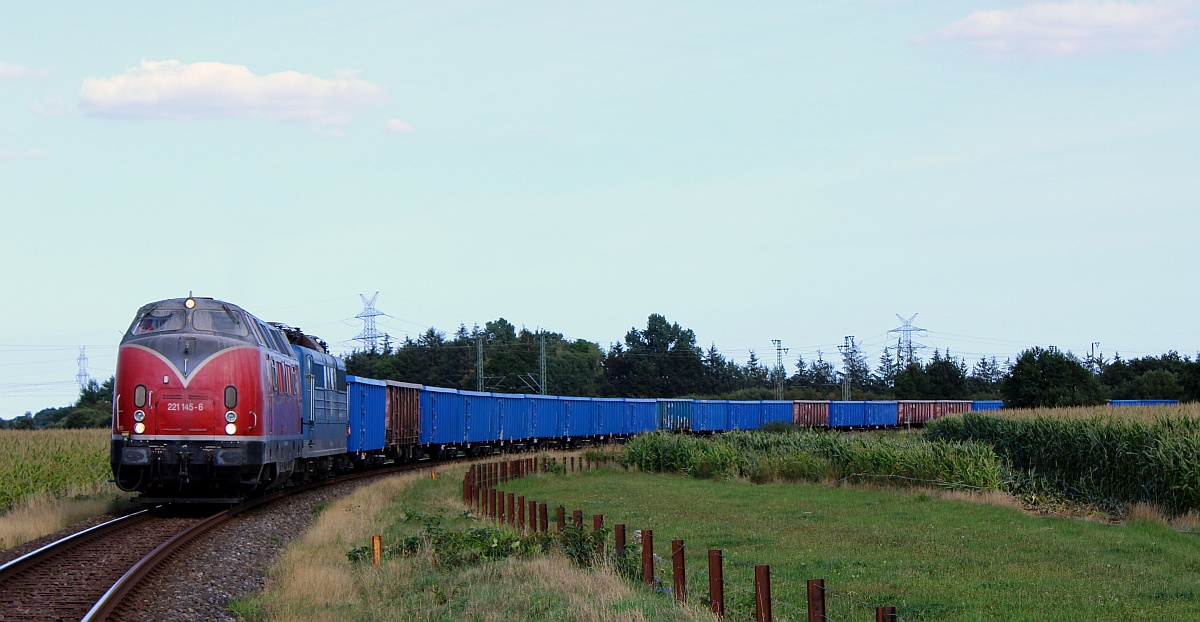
848,350
779,374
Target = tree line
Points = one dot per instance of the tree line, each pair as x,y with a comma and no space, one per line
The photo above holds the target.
92,409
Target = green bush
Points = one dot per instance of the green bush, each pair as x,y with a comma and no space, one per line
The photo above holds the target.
810,455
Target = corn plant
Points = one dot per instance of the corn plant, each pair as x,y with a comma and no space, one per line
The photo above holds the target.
51,462
1103,459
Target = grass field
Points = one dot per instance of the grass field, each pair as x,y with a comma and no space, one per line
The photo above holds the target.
50,478
934,558
316,580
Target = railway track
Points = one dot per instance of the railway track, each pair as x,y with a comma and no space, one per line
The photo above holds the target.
89,575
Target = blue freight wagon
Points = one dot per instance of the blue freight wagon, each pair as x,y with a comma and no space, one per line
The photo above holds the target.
482,416
675,415
1122,403
641,415
776,411
986,405
710,415
579,416
368,412
744,415
443,417
548,416
610,414
882,414
862,414
516,417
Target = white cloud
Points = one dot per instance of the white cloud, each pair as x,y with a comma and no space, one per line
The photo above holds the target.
22,154
174,90
12,71
396,126
1076,27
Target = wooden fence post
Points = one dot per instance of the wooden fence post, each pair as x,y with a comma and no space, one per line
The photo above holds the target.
885,614
521,513
619,536
597,525
648,556
545,524
716,582
678,570
762,593
577,517
816,600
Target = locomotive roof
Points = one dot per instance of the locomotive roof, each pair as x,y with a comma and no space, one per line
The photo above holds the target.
192,303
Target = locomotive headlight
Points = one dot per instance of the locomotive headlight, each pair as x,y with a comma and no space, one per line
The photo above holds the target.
139,428
139,415
231,428
231,416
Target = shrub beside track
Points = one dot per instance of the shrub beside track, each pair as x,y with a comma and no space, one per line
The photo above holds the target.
813,455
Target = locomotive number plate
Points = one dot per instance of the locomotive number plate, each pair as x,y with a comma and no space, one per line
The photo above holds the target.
186,407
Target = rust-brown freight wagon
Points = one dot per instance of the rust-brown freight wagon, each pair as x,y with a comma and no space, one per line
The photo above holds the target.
810,413
953,407
915,412
403,426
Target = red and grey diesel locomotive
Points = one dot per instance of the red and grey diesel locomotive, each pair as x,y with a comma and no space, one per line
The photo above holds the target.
211,403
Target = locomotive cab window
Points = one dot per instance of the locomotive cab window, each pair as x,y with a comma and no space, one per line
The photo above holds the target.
219,322
157,321
280,342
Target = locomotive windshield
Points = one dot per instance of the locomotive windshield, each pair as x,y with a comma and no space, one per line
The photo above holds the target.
227,322
157,320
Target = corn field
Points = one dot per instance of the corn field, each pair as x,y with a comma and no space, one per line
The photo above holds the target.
815,455
1108,459
51,462
1127,413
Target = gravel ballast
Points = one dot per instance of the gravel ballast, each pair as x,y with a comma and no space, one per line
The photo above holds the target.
228,562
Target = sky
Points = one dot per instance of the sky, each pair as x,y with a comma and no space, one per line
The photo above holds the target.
1015,173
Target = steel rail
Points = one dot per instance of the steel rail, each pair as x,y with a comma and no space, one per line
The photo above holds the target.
33,558
112,599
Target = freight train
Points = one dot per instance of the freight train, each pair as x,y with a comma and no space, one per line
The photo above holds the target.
212,404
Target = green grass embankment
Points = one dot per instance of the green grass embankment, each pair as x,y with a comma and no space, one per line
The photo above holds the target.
451,572
934,558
